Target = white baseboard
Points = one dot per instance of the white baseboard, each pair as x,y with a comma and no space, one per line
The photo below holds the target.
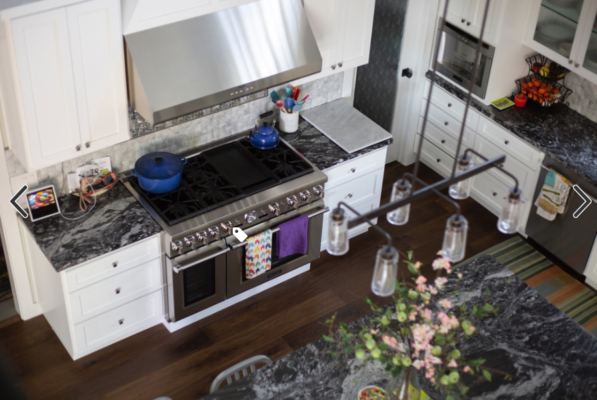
174,326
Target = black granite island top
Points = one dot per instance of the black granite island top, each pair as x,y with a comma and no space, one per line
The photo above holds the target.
559,131
321,151
550,355
117,220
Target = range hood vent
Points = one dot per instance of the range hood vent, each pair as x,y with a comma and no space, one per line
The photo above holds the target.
177,69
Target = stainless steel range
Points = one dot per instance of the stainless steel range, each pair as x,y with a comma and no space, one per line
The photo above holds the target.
227,185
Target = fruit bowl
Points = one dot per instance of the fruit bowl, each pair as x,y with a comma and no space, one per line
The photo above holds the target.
542,91
547,69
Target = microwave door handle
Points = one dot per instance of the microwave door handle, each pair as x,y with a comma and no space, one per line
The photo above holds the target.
276,229
177,268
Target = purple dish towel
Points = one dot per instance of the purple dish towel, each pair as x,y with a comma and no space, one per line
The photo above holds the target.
292,238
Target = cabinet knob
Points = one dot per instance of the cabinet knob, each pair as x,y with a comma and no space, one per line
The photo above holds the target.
576,65
446,123
449,104
468,24
340,64
117,290
463,20
349,196
494,194
78,147
353,170
443,141
121,321
115,264
506,142
570,61
439,160
88,144
334,66
502,165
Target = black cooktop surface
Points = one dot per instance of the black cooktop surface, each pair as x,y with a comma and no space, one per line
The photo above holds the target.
224,174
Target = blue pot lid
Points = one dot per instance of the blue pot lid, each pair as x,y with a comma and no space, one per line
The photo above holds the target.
266,129
159,165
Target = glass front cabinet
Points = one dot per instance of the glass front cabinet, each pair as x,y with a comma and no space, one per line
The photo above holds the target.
566,32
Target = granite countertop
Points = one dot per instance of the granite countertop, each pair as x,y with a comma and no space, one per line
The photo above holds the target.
558,131
320,150
117,220
550,355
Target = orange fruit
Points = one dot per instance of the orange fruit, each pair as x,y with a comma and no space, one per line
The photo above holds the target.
541,91
556,91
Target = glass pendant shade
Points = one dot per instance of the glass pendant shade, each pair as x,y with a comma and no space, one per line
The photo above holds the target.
383,283
455,238
511,212
461,190
338,233
401,189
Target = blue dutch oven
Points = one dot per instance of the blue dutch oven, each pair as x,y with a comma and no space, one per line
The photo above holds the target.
159,172
264,137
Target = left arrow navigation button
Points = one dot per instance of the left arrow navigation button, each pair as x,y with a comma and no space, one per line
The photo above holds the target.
16,205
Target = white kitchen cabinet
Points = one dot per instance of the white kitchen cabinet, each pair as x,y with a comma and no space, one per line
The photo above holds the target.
102,301
69,82
567,36
468,16
358,183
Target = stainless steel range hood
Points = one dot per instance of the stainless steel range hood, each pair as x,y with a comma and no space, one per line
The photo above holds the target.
180,68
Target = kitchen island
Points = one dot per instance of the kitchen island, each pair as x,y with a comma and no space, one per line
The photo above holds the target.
550,355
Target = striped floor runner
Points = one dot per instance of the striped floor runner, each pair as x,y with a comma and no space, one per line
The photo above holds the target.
562,290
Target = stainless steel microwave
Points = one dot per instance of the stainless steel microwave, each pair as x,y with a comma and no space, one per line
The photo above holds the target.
456,58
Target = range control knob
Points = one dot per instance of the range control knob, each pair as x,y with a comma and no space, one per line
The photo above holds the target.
318,190
202,237
214,232
176,246
226,226
251,217
274,208
305,196
292,201
190,241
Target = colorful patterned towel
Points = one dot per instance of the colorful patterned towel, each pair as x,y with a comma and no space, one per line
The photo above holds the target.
258,257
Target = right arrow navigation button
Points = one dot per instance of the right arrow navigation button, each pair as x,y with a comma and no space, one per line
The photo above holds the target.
587,201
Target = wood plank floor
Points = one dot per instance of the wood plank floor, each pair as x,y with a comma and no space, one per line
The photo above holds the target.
182,365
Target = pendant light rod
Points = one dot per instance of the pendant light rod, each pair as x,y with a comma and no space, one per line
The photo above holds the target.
498,166
471,86
423,192
437,192
363,218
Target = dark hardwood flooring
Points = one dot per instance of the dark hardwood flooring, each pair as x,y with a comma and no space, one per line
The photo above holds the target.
182,365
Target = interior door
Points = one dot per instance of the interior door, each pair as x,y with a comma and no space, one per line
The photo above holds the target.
42,50
98,64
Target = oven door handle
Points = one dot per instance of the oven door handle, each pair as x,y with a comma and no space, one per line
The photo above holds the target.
277,228
177,268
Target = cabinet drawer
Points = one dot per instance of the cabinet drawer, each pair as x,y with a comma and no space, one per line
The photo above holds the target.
113,263
490,192
363,188
450,105
444,140
449,124
115,291
509,143
349,170
119,323
435,158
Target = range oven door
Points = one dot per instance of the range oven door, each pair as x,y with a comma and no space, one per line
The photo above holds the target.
196,280
238,283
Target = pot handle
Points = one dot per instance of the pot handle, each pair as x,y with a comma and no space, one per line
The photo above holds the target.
133,172
183,159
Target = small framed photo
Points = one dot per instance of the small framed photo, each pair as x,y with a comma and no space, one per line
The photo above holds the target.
42,203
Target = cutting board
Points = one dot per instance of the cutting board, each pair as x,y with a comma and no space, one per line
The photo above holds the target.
346,126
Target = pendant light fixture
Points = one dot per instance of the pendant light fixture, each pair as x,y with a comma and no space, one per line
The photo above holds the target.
404,193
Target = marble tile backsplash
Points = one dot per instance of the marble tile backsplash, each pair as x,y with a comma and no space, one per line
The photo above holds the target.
584,96
192,133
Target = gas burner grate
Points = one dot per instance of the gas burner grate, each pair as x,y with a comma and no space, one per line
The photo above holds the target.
281,160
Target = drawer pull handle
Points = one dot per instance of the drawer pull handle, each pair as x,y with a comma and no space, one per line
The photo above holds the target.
115,264
446,123
121,321
443,141
468,24
463,20
494,194
117,290
349,196
353,170
449,104
439,160
506,142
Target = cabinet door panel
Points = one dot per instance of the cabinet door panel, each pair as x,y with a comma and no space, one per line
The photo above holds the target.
475,18
457,12
98,64
44,66
355,33
324,20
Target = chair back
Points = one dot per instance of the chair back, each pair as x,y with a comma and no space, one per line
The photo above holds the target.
240,370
